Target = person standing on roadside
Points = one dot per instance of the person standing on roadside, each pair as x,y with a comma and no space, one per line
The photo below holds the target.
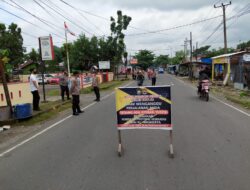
95,85
75,92
34,89
64,82
140,78
153,77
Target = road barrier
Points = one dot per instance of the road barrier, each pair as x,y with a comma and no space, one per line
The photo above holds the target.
147,107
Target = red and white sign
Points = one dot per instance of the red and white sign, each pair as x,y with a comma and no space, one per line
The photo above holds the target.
133,61
46,48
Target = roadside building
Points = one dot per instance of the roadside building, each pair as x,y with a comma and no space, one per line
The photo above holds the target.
232,69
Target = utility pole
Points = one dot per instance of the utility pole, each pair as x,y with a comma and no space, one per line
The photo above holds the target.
223,6
196,51
185,49
191,47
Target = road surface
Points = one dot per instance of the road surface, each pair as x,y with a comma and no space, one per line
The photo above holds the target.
211,143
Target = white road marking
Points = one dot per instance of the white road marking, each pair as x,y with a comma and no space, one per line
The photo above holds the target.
229,105
52,126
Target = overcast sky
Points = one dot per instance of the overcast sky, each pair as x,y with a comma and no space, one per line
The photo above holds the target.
169,16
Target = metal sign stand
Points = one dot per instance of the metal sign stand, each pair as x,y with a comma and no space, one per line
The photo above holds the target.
171,147
120,149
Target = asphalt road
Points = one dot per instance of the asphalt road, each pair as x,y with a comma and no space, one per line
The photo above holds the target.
211,143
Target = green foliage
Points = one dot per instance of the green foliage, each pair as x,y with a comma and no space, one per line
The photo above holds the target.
34,56
179,57
220,51
53,66
12,41
84,52
243,45
201,51
145,58
117,36
162,60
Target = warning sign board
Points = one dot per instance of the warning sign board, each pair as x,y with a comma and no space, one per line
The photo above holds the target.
46,48
144,107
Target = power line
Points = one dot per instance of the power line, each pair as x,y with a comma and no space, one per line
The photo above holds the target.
236,16
81,15
29,22
67,18
69,14
40,19
175,27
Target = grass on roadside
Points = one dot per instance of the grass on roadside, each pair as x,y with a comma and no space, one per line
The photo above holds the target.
239,100
54,108
87,90
238,97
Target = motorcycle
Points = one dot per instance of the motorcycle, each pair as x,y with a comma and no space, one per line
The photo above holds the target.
203,89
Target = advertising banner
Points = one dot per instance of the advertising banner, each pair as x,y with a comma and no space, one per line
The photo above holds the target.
147,107
104,64
133,61
46,48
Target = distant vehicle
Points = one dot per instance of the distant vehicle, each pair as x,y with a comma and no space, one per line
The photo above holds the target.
46,78
160,70
54,80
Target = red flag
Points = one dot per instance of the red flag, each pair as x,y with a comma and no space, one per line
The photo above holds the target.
67,29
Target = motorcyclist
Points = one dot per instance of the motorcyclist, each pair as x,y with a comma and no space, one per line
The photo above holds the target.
203,75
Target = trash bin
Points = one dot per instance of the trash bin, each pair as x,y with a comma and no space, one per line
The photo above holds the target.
22,111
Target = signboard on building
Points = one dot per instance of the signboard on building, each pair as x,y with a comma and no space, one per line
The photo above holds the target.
144,107
104,64
246,57
46,48
133,61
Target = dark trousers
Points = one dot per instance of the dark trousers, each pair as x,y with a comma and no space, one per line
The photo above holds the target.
36,99
75,104
63,90
97,92
153,81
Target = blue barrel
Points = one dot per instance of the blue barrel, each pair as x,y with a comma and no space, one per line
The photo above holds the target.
23,111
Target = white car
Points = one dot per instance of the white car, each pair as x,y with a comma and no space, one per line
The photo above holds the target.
46,78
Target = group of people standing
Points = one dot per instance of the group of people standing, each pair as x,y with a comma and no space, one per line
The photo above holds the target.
139,75
67,86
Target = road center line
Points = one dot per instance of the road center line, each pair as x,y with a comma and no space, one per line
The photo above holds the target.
52,126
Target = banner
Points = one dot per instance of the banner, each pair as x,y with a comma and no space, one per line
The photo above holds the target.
104,64
133,61
147,107
46,48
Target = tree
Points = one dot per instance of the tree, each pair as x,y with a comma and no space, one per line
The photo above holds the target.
201,51
243,45
117,36
53,66
145,58
12,41
34,56
220,51
4,60
162,60
179,57
79,53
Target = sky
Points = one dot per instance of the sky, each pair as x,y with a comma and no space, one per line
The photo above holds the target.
160,26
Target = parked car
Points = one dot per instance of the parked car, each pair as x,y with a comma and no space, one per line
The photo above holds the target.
160,70
46,78
54,80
